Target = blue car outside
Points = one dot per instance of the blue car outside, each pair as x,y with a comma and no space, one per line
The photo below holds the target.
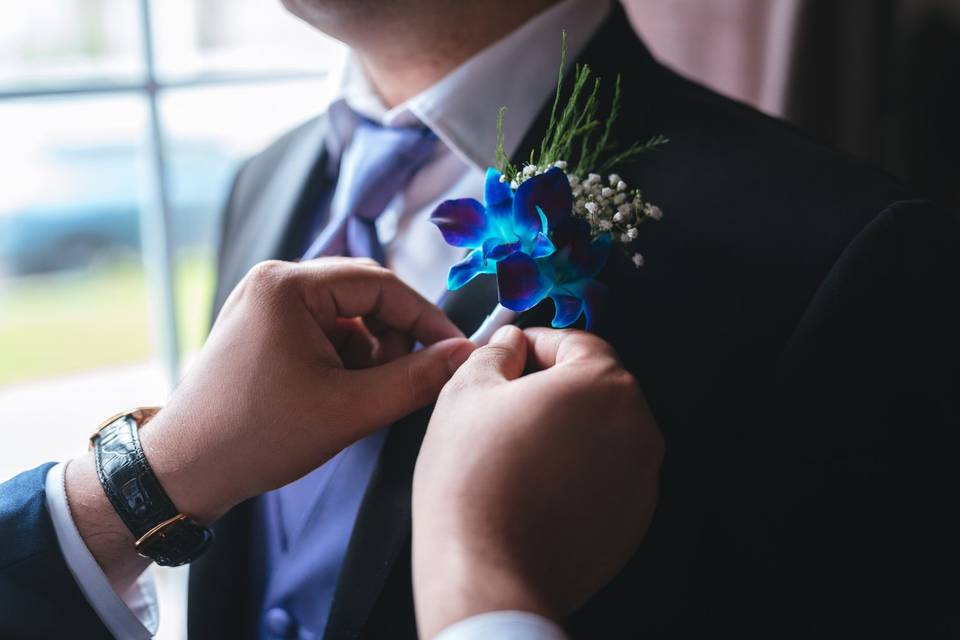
92,211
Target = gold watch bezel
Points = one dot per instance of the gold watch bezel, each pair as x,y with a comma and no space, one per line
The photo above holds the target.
140,415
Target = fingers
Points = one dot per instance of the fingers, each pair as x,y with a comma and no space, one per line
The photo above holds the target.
550,347
345,288
502,359
360,347
381,395
354,343
354,289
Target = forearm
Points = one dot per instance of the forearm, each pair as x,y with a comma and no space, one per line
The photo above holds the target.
105,535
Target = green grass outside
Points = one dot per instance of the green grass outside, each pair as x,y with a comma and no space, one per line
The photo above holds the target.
61,323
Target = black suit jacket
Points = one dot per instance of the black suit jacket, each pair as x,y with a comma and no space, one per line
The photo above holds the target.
792,333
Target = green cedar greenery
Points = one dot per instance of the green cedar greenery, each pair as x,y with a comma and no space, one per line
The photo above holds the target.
571,131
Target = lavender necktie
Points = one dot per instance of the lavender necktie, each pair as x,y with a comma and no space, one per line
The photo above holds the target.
379,164
311,520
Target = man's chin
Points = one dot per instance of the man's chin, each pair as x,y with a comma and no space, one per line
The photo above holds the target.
311,10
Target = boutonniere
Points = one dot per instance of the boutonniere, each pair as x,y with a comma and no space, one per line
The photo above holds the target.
546,228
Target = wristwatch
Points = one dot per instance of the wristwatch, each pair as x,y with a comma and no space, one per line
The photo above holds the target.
162,533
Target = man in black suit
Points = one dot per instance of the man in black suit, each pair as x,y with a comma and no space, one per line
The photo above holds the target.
792,331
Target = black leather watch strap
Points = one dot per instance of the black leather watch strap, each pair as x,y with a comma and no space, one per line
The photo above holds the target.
162,533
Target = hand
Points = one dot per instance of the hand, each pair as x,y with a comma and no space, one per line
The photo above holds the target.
303,360
531,492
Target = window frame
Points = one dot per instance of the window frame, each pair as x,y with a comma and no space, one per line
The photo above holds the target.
155,212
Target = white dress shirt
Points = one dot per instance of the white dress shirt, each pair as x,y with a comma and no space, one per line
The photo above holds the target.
519,72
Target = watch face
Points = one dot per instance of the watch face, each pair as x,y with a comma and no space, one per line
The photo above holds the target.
181,542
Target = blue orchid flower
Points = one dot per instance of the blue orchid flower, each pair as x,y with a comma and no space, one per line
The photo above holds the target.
508,224
567,276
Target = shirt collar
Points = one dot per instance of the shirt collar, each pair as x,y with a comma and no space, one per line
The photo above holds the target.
518,72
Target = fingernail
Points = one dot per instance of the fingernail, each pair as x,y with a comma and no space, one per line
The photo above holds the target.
459,355
504,335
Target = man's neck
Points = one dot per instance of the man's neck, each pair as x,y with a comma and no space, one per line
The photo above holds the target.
405,47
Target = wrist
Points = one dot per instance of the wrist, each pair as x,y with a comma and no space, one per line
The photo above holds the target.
450,587
191,483
103,532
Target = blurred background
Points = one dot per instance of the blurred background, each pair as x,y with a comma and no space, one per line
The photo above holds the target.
123,121
121,125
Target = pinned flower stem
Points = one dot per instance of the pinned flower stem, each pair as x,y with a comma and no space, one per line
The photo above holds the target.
500,317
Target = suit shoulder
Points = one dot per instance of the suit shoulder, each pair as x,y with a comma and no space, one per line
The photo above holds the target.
746,148
762,187
257,169
771,209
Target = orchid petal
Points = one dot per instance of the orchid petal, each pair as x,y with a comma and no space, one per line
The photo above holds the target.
521,282
463,223
495,249
542,247
581,256
500,220
468,269
593,294
568,310
588,292
496,191
597,255
550,192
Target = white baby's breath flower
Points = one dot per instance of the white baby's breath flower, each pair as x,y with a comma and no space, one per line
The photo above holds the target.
614,209
561,164
637,260
514,185
529,170
503,178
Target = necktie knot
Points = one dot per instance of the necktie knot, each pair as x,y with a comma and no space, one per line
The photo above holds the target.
377,164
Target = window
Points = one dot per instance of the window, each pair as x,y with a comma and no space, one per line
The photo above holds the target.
122,123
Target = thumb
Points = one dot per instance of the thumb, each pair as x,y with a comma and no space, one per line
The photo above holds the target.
502,359
386,393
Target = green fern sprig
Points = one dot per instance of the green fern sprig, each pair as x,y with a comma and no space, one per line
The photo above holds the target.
570,130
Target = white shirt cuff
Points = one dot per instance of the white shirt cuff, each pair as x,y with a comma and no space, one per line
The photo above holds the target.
133,614
503,625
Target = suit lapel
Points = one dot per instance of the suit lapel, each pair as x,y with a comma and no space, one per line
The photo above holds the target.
233,572
276,209
382,529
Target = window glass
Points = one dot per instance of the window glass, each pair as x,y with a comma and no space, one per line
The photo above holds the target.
73,297
45,43
237,36
78,319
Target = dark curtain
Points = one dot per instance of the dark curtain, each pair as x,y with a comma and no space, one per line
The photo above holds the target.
877,78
